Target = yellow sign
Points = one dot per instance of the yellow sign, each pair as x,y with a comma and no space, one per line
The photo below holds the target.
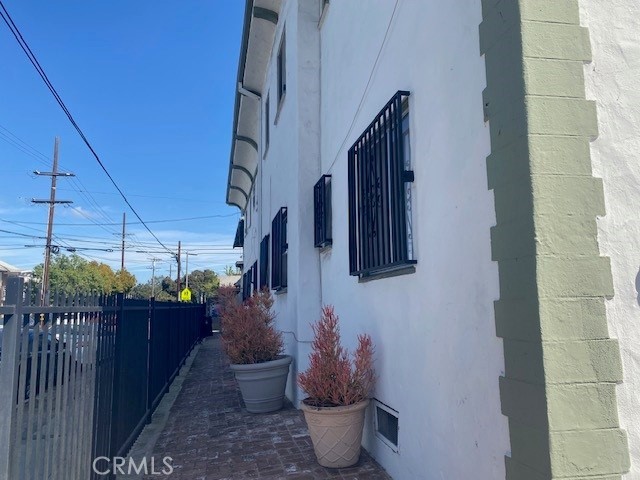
185,295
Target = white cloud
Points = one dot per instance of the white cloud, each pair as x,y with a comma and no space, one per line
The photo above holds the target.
79,212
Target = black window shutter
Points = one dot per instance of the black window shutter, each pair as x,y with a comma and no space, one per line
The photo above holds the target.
264,262
322,212
279,250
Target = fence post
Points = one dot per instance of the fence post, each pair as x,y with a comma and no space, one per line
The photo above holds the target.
9,372
115,399
150,363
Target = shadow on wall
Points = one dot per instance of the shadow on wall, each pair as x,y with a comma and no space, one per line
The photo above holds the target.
638,287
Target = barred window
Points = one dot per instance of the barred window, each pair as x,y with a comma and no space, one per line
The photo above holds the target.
246,285
322,212
279,250
239,238
254,277
282,68
380,227
264,262
266,124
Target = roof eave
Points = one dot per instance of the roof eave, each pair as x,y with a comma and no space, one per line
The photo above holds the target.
248,9
256,47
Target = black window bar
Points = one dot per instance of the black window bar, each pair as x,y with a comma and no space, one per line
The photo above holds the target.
377,198
322,212
264,262
279,250
246,285
282,68
254,276
239,239
266,124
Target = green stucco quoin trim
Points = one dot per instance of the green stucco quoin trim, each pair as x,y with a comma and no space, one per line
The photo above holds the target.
561,367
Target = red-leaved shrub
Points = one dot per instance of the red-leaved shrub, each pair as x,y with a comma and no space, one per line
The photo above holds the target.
248,333
334,379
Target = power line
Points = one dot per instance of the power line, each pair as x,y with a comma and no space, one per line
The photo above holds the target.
33,151
34,61
20,147
155,196
131,223
76,184
23,234
71,248
202,251
93,222
15,141
366,88
62,237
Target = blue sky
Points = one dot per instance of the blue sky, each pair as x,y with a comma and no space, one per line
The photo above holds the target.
152,86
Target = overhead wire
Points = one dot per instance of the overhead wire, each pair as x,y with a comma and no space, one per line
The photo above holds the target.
71,237
15,144
133,242
170,220
23,146
355,115
34,61
79,211
161,197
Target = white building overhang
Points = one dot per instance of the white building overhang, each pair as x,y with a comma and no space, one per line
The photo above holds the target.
6,268
260,21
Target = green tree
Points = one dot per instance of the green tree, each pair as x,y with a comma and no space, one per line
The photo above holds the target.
203,284
125,281
168,285
141,291
144,290
229,270
71,274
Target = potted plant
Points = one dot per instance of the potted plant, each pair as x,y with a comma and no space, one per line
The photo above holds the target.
254,348
338,389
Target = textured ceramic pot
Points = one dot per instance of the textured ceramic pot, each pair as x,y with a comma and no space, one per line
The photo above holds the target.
262,384
336,433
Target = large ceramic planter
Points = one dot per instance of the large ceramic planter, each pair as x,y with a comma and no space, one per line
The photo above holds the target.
262,384
336,433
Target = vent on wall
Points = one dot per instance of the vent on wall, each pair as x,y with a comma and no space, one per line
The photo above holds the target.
386,424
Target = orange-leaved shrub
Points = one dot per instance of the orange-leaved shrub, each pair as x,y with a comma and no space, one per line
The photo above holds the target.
248,332
333,378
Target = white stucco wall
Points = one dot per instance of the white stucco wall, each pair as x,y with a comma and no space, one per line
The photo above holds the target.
438,357
613,81
286,175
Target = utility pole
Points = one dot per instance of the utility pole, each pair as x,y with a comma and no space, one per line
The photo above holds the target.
187,267
178,279
54,174
124,220
153,276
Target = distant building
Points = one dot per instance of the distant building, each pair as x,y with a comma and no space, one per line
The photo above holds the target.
459,178
229,280
6,270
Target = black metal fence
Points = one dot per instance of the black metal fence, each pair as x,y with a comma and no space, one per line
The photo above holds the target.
154,340
81,377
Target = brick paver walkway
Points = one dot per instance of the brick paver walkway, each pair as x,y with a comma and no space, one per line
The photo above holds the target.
209,435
